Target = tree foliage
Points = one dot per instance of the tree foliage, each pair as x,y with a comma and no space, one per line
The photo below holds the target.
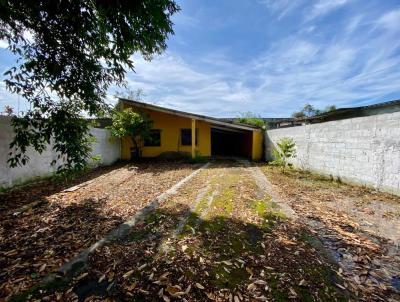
330,108
68,54
252,119
286,149
8,110
309,110
132,94
128,123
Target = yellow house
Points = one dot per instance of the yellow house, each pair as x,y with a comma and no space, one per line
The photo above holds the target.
196,135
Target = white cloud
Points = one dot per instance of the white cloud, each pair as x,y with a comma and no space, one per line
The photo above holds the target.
323,7
358,64
3,44
277,83
185,20
281,7
294,72
168,80
355,66
354,24
390,20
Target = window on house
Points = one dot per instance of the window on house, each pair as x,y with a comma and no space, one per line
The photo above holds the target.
154,139
186,137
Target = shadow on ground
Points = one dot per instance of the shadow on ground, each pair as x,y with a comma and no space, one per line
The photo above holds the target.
218,259
39,239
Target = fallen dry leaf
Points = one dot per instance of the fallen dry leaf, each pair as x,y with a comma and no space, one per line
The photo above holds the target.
198,285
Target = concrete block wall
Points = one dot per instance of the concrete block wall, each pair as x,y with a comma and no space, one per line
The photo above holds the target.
363,150
106,146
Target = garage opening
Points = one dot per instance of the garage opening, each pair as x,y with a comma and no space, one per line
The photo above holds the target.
231,142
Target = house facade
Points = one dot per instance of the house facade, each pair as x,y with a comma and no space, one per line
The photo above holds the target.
193,135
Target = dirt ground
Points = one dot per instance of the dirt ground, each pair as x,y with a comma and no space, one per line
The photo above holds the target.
359,227
42,226
234,232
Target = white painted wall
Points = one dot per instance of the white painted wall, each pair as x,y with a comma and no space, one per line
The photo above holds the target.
106,146
363,150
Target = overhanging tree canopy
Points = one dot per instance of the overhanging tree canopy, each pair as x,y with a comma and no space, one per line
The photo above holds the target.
69,53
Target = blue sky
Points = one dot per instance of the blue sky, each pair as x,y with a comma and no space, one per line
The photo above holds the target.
269,57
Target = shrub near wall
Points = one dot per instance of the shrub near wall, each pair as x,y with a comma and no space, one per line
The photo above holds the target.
363,150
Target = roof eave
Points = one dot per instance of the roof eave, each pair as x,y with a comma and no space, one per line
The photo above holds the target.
205,118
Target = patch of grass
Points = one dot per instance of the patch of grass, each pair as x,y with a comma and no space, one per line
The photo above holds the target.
304,294
228,277
278,295
3,189
214,225
260,206
230,247
190,225
221,205
139,235
233,243
189,273
266,205
224,202
199,160
152,217
270,218
202,204
266,209
238,245
194,216
328,291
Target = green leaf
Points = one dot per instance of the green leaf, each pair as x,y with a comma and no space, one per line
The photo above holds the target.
77,51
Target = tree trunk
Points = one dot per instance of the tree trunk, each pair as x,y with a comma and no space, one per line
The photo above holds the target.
135,155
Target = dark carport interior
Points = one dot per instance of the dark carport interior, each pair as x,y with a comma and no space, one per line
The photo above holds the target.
231,142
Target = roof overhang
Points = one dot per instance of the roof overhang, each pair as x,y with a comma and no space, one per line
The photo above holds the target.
227,129
212,120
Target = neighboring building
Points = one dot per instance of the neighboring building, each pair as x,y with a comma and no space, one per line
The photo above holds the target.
272,122
192,134
281,122
345,113
338,114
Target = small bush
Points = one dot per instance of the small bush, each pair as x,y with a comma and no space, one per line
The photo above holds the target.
252,119
285,151
199,159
